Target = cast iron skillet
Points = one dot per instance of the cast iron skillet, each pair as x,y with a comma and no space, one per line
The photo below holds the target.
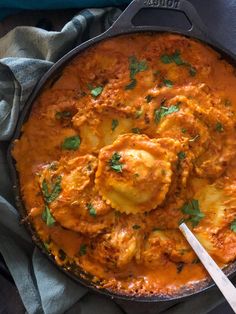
175,16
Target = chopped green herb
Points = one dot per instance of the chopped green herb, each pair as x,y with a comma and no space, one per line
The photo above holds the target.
176,58
166,59
47,244
227,103
233,225
136,130
115,163
136,175
83,249
219,127
45,190
47,217
183,130
71,143
138,113
54,191
164,111
63,115
196,261
131,85
136,227
114,124
192,209
194,138
92,210
156,229
192,71
181,221
135,67
61,255
95,91
181,155
179,267
168,83
149,98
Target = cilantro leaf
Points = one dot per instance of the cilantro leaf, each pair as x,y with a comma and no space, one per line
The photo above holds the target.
83,249
179,267
92,210
192,209
115,163
176,58
45,190
233,225
156,229
54,191
47,217
135,66
59,115
114,124
138,113
131,85
192,71
136,130
149,98
95,91
168,83
136,227
227,103
181,155
166,59
164,111
196,261
71,143
219,127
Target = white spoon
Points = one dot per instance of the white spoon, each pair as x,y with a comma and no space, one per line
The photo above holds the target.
224,284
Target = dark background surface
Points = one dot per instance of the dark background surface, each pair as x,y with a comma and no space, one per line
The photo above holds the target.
218,15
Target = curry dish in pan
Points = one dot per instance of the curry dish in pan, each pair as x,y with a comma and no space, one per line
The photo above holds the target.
137,134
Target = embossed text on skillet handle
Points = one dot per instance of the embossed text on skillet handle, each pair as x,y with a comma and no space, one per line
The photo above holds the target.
124,23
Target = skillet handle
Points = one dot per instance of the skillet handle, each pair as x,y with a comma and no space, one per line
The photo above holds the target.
181,9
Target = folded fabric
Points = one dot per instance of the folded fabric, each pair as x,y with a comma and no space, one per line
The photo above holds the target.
25,55
8,7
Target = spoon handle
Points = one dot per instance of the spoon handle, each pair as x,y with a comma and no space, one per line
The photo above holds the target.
224,284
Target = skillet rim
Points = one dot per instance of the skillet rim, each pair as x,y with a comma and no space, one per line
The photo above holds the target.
84,278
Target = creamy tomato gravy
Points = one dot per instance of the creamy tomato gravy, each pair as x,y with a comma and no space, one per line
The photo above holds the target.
137,134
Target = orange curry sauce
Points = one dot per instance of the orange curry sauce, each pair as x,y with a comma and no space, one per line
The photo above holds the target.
136,134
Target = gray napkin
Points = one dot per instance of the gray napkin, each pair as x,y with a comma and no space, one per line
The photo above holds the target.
26,53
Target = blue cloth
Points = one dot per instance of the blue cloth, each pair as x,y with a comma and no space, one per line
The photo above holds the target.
8,7
25,55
